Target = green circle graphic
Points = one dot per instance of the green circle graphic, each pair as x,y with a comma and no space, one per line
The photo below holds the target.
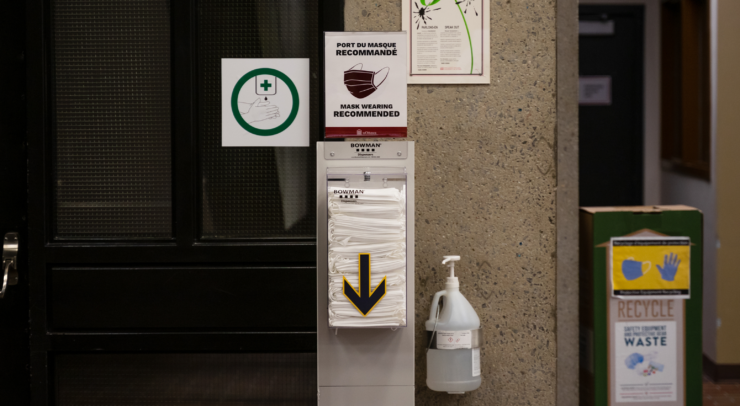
238,88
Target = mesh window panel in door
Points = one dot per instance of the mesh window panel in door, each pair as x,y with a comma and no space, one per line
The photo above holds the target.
185,379
255,192
112,119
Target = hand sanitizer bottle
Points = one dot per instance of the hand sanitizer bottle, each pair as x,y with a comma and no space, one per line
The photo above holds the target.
455,336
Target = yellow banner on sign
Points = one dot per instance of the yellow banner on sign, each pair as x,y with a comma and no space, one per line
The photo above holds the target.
651,267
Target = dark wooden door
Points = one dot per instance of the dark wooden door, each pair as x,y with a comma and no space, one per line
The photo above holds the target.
611,136
14,333
164,268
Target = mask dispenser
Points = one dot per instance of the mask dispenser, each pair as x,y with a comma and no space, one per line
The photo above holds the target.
365,273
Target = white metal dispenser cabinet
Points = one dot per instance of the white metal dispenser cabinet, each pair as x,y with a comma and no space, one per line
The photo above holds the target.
365,273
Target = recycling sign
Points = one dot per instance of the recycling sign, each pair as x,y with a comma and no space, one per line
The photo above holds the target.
265,102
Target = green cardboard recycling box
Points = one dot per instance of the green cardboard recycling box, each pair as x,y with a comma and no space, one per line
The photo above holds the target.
640,306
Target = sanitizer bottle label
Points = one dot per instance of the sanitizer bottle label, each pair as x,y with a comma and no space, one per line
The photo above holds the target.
476,361
454,340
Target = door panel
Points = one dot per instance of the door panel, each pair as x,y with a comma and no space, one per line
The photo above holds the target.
182,299
185,379
111,64
255,192
160,261
611,136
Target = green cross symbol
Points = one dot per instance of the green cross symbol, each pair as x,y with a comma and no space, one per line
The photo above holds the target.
265,85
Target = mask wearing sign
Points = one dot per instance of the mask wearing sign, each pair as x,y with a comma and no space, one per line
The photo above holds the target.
363,83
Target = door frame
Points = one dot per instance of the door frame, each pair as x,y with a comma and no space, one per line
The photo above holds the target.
14,306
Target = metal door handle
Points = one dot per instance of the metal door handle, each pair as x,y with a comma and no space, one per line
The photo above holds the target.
10,261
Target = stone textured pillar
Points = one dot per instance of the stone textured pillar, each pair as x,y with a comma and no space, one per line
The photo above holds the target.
567,202
486,190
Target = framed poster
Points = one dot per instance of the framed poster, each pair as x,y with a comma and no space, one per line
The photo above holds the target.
448,41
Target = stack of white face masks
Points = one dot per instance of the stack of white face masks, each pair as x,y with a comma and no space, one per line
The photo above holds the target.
369,221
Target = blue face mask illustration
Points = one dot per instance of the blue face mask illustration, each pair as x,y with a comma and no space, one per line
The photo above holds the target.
634,359
644,364
632,269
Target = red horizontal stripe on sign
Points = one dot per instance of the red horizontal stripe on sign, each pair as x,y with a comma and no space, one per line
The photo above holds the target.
365,132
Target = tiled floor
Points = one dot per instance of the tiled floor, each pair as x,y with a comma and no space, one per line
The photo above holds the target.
722,394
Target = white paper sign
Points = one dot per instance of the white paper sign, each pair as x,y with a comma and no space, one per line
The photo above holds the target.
453,340
265,102
448,40
595,27
365,84
645,359
595,90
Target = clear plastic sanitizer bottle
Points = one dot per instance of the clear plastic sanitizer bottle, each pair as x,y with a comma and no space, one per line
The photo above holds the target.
454,334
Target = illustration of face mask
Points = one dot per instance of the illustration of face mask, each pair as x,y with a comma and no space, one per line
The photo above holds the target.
363,83
632,269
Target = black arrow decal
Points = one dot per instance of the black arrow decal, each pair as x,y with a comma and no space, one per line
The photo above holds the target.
363,298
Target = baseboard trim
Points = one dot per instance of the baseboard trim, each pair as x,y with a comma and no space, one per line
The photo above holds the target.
720,372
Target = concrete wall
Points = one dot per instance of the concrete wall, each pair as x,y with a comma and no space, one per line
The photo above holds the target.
728,185
487,177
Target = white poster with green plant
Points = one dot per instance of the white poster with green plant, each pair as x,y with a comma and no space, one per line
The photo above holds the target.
448,40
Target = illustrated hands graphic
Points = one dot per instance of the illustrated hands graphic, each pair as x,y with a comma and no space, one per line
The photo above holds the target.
259,110
670,267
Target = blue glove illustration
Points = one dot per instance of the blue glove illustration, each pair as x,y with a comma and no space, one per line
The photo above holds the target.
670,267
633,360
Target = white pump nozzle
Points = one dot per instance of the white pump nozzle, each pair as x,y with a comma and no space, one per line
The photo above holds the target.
449,260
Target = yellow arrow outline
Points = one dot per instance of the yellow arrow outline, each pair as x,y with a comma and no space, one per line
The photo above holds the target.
359,283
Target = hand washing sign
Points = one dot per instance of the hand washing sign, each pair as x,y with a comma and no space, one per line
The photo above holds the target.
365,80
648,267
264,102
